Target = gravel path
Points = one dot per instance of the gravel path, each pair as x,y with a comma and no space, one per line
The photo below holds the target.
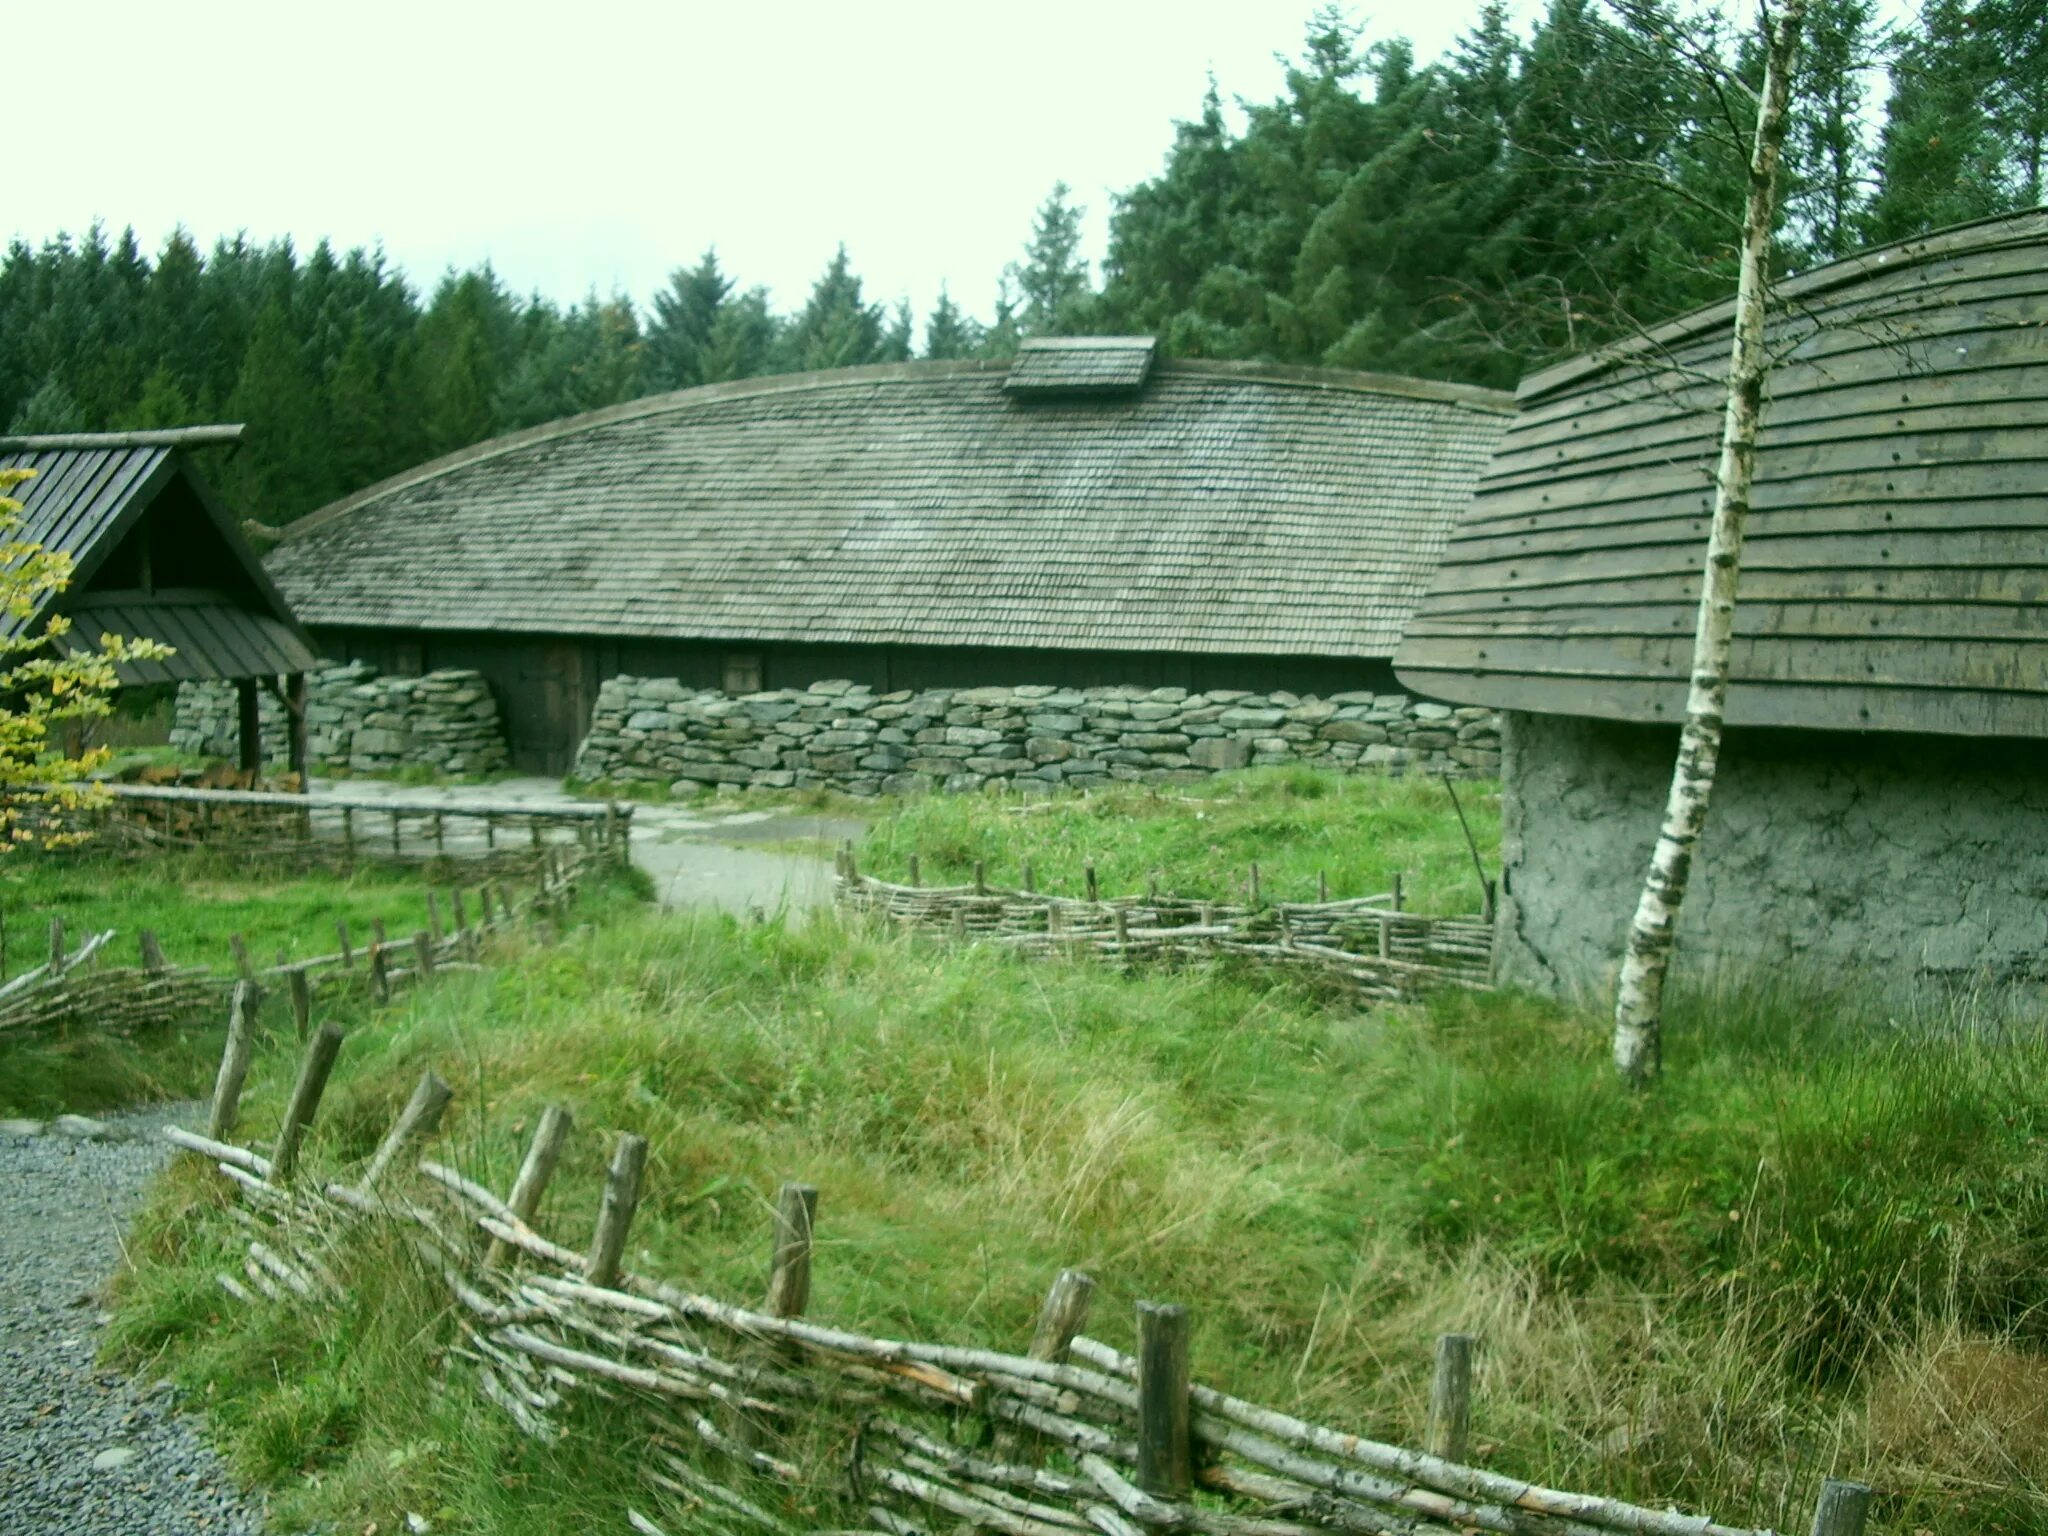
85,1451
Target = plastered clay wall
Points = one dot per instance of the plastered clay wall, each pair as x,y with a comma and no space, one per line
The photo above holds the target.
1913,859
445,720
843,736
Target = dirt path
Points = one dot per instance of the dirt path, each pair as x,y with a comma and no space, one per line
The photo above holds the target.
695,855
86,1451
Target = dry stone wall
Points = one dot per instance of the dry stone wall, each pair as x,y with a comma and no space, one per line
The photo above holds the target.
445,720
844,736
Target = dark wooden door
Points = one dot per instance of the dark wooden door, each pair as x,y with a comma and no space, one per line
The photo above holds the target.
550,709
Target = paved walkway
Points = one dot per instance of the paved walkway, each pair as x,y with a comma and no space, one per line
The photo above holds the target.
695,854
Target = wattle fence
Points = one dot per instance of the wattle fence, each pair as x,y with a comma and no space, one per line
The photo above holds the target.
757,1417
1372,944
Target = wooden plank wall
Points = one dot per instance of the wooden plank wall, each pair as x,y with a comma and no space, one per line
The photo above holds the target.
1896,570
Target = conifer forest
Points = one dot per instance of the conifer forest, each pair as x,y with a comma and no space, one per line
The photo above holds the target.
1534,192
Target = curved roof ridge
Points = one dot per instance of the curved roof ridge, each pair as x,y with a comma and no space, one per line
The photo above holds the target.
761,385
2017,228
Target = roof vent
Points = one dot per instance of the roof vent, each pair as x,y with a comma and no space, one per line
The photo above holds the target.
1082,365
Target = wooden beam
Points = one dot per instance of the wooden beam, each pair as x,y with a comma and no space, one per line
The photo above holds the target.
295,724
250,727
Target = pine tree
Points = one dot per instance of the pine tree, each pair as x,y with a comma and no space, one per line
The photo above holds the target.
276,394
836,329
467,342
685,315
49,408
950,332
164,403
1828,163
1053,278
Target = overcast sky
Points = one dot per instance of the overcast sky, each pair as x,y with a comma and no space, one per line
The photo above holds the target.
605,142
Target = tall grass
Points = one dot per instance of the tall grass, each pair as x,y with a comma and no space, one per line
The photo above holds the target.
1820,1227
1299,825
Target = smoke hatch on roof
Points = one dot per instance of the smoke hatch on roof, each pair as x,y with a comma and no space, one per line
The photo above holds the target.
1082,365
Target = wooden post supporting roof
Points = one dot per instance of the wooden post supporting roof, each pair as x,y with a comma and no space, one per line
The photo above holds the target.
295,725
250,727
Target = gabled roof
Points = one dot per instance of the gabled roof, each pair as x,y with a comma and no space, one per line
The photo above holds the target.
89,492
1895,571
1222,508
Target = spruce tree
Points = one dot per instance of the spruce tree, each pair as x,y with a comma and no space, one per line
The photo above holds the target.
1053,278
836,328
685,315
950,332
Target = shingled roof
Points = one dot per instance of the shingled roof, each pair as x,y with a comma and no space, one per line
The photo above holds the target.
1223,508
1895,571
203,593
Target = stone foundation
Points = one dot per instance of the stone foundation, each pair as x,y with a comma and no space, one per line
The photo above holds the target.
842,736
1906,859
447,721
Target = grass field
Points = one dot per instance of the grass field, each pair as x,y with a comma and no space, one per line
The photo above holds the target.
1301,826
1820,1247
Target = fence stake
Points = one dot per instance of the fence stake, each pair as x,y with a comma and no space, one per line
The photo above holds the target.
380,978
1030,884
1450,1399
1123,932
56,945
542,1153
1397,890
152,951
789,1265
348,835
314,1068
461,913
243,967
433,915
302,1002
348,953
1165,1454
1064,1314
377,930
980,878
422,955
234,1063
960,922
1843,1508
394,832
420,1118
1322,885
1255,884
1088,874
916,874
615,1215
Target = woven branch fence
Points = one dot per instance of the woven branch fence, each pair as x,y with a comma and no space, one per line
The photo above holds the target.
76,989
738,1415
1371,943
336,831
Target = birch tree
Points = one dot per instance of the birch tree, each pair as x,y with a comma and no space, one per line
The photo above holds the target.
1646,962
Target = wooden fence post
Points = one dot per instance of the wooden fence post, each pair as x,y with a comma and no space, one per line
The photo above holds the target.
234,1063
980,878
314,1068
1397,890
1064,1314
244,967
302,1002
1254,886
433,915
1843,1508
1450,1399
348,953
916,871
789,1263
420,1118
1030,884
1165,1451
1088,878
56,945
542,1153
460,912
152,952
380,975
615,1215
422,955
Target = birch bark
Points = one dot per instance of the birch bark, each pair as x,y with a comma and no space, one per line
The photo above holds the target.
1639,994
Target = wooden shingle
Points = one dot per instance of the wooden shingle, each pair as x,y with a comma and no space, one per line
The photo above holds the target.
1224,508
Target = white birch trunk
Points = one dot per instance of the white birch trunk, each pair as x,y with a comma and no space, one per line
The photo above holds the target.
1639,995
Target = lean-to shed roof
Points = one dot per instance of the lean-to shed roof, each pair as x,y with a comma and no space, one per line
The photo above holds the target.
89,497
1895,575
1219,507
